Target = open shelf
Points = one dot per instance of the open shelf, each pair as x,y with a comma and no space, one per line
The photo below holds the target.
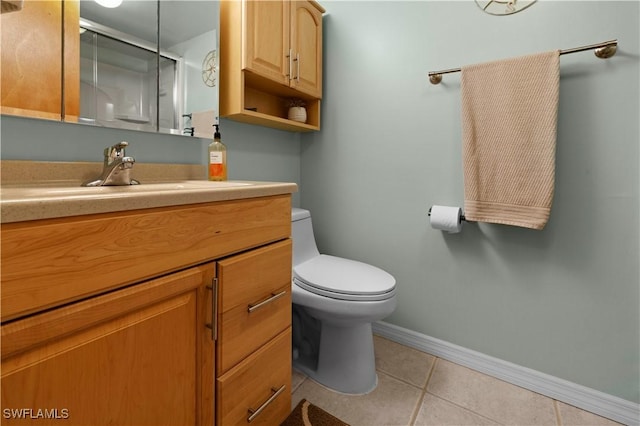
264,102
252,117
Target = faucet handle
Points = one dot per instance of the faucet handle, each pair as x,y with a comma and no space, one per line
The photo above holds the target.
115,151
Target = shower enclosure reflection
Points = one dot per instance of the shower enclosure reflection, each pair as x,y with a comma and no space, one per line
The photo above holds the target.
142,64
119,85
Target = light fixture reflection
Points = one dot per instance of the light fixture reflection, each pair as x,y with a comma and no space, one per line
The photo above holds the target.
109,3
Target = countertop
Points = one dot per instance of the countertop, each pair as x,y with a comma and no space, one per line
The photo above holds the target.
34,197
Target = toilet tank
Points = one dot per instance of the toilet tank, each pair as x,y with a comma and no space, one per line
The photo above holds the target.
304,243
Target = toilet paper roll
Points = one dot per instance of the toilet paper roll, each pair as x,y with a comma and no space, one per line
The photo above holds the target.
446,218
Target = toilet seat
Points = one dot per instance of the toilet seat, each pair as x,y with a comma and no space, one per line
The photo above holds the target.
344,279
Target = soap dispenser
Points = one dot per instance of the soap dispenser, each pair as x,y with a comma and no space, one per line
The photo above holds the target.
217,157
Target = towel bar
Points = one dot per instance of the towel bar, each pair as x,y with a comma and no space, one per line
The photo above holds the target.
603,50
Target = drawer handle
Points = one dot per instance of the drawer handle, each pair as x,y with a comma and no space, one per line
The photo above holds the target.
256,413
273,297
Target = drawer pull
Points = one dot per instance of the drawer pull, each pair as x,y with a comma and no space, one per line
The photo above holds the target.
256,413
273,297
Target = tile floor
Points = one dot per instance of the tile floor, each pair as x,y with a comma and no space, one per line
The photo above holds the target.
415,388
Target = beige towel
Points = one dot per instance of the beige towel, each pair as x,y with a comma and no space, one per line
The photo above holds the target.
509,120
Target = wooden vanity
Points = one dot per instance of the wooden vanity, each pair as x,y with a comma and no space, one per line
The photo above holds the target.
165,315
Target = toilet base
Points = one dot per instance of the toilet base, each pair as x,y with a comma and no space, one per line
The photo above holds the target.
346,359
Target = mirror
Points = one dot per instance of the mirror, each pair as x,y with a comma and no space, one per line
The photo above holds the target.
123,81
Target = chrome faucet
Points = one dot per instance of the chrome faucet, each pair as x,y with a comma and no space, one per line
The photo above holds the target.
116,169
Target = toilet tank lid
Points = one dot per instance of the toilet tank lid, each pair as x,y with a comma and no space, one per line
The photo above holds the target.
299,214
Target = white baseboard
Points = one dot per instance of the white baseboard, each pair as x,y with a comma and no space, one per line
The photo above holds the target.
600,403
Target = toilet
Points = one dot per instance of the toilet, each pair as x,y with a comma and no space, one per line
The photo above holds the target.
335,300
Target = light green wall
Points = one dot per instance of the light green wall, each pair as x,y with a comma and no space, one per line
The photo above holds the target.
563,301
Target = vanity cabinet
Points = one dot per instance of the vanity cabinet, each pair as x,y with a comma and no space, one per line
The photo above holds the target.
271,51
112,318
33,59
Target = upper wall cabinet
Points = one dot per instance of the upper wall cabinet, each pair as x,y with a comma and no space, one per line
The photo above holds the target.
271,53
284,43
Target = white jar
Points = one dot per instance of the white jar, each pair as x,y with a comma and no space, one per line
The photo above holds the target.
298,114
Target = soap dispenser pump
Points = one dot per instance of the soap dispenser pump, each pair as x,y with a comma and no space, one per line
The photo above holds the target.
217,157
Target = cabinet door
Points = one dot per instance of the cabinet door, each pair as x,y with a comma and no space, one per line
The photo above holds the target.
138,356
306,43
32,60
266,29
33,81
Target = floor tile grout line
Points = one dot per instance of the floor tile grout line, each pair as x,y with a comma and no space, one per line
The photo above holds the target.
304,378
405,381
465,408
416,409
431,371
400,379
557,411
433,368
386,373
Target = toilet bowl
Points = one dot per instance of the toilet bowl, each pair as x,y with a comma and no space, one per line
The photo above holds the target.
335,300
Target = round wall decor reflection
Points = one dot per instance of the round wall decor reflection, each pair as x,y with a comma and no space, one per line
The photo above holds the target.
209,69
503,7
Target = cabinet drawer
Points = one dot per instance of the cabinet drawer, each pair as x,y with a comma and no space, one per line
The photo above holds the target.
255,301
258,386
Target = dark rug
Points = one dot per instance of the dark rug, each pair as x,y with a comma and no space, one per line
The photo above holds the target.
307,414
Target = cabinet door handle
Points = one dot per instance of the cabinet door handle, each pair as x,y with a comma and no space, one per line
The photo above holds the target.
290,56
213,325
298,67
273,297
255,413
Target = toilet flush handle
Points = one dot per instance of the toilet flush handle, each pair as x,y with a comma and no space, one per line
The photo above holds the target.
274,297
